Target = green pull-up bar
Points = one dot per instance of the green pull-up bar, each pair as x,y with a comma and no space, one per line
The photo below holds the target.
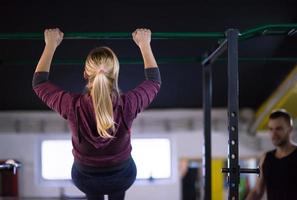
273,29
111,35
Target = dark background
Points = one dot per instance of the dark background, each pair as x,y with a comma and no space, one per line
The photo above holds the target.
182,82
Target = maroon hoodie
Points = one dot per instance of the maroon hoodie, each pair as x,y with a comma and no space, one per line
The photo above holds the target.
88,147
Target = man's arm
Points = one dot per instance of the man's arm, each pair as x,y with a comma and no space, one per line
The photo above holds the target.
257,192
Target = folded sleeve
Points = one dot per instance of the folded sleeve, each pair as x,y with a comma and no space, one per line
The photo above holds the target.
152,74
39,77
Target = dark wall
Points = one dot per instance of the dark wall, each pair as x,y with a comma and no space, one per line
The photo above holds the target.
181,81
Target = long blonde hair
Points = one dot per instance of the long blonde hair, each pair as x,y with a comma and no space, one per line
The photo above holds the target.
102,71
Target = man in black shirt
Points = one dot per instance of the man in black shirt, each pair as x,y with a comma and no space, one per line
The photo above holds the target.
279,166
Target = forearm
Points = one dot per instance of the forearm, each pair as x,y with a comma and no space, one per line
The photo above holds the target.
45,60
148,56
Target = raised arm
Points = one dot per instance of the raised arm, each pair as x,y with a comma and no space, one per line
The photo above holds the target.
53,96
52,37
257,192
142,37
140,97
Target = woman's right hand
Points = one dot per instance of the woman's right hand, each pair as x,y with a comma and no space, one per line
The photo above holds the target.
142,37
53,37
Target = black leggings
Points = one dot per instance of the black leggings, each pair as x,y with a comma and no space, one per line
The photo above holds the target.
112,183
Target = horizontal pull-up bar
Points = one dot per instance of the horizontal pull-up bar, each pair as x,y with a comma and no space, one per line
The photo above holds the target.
273,29
178,60
112,35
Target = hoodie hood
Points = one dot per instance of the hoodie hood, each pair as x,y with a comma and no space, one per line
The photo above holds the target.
87,119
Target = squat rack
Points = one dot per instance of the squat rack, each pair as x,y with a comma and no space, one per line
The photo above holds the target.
228,41
231,45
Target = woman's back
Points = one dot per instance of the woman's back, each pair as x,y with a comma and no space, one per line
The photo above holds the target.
100,120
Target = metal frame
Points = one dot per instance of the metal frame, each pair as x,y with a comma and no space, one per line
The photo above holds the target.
233,170
207,104
233,93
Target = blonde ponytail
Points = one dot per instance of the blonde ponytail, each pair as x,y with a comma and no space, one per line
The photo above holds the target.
101,70
101,91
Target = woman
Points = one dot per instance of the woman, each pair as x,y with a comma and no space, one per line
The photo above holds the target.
100,120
